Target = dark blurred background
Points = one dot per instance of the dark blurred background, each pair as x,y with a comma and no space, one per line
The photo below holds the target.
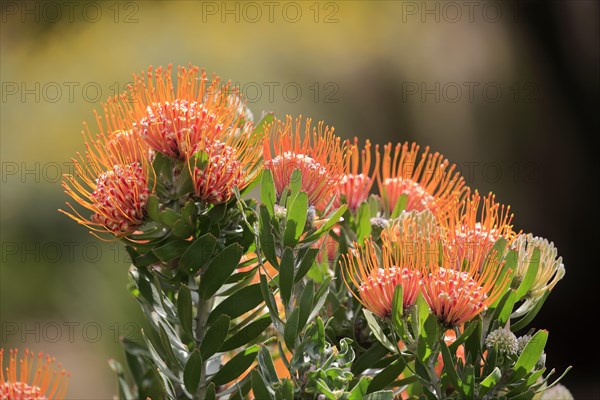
507,90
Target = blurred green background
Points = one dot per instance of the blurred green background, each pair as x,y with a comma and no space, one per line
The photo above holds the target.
504,89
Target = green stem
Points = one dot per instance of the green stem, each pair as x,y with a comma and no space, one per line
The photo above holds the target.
204,309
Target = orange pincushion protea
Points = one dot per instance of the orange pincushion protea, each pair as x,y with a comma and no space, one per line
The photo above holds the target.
24,381
456,292
475,225
233,162
174,119
430,182
318,155
111,181
355,184
373,282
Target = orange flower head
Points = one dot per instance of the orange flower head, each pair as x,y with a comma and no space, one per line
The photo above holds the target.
476,225
174,118
318,155
26,381
111,178
229,163
373,281
456,292
429,182
355,184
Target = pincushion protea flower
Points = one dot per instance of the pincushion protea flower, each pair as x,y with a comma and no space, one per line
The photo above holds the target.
355,184
231,162
316,152
373,282
174,118
24,381
456,292
430,182
477,224
550,268
111,181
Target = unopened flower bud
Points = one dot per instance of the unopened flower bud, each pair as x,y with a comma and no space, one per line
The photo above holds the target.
504,340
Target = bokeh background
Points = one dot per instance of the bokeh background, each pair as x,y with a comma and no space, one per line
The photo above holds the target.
506,90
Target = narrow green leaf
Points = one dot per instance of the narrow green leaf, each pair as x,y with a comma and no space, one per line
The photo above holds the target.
530,355
364,222
265,121
295,183
219,269
333,219
504,308
266,365
450,369
397,303
489,382
290,331
267,191
469,329
530,275
306,304
386,376
378,332
171,250
192,372
360,389
286,275
238,303
236,366
198,254
381,395
211,392
307,259
184,310
169,216
375,353
259,388
400,206
247,333
215,336
266,237
124,390
296,219
152,207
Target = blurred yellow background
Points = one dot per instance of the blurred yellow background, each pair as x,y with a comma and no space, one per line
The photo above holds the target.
503,89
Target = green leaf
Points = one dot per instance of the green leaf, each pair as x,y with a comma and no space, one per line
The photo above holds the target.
397,303
266,365
375,353
215,336
307,258
450,369
530,355
169,217
296,219
295,183
387,375
290,331
171,250
259,388
267,191
331,221
266,237
504,308
530,275
152,207
236,366
211,392
182,230
523,322
489,381
247,333
360,389
381,395
192,372
469,329
184,310
265,121
400,206
124,390
197,255
378,332
219,269
364,222
306,304
286,275
238,303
